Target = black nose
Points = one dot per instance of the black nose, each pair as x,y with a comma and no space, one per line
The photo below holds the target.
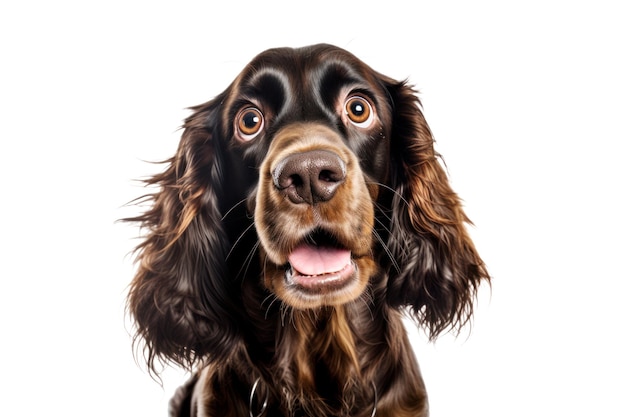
310,177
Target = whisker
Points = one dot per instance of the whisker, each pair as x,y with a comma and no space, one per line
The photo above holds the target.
274,298
366,298
248,261
387,250
233,208
393,190
383,211
380,222
239,239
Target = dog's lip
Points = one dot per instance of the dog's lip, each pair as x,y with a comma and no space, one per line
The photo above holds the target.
321,283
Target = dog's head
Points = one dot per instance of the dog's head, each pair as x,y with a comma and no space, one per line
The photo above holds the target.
317,124
315,178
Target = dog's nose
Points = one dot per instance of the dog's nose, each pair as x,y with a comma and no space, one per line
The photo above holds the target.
310,177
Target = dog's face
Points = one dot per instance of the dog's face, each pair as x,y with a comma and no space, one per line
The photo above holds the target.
316,125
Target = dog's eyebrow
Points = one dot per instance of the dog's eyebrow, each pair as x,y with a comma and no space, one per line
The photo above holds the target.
334,76
269,85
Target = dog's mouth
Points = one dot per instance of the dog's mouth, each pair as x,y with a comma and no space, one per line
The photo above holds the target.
320,264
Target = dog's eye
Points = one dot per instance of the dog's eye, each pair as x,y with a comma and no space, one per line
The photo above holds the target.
249,123
359,111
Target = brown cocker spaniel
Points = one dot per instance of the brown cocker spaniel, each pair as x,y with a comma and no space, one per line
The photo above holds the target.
304,212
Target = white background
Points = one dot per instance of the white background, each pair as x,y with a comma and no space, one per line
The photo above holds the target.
527,103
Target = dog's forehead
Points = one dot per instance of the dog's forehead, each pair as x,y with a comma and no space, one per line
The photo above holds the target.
304,70
299,60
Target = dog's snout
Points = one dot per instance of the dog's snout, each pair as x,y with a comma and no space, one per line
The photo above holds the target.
310,177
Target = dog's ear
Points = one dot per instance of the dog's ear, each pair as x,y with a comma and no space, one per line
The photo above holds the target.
180,298
435,269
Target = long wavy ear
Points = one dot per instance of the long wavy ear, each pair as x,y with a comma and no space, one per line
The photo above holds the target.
181,299
436,269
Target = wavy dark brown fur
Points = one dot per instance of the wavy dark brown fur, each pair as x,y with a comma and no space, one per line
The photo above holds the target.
438,269
209,296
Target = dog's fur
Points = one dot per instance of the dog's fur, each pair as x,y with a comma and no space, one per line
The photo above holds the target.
304,211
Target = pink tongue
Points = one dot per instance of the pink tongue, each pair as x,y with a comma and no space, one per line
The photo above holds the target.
316,260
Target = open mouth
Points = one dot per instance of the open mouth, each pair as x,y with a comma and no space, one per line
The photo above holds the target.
320,264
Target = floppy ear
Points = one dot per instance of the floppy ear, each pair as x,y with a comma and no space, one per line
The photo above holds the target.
436,269
181,299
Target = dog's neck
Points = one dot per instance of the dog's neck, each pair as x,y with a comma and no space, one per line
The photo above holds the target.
325,358
318,353
322,341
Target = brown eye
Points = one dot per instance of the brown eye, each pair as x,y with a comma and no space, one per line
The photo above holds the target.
359,111
249,123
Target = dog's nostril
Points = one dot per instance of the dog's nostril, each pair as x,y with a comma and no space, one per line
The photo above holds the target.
329,176
310,177
294,180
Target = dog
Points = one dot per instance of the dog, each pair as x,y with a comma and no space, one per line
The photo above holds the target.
304,213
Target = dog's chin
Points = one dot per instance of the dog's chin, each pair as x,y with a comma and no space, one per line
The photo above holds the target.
337,286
